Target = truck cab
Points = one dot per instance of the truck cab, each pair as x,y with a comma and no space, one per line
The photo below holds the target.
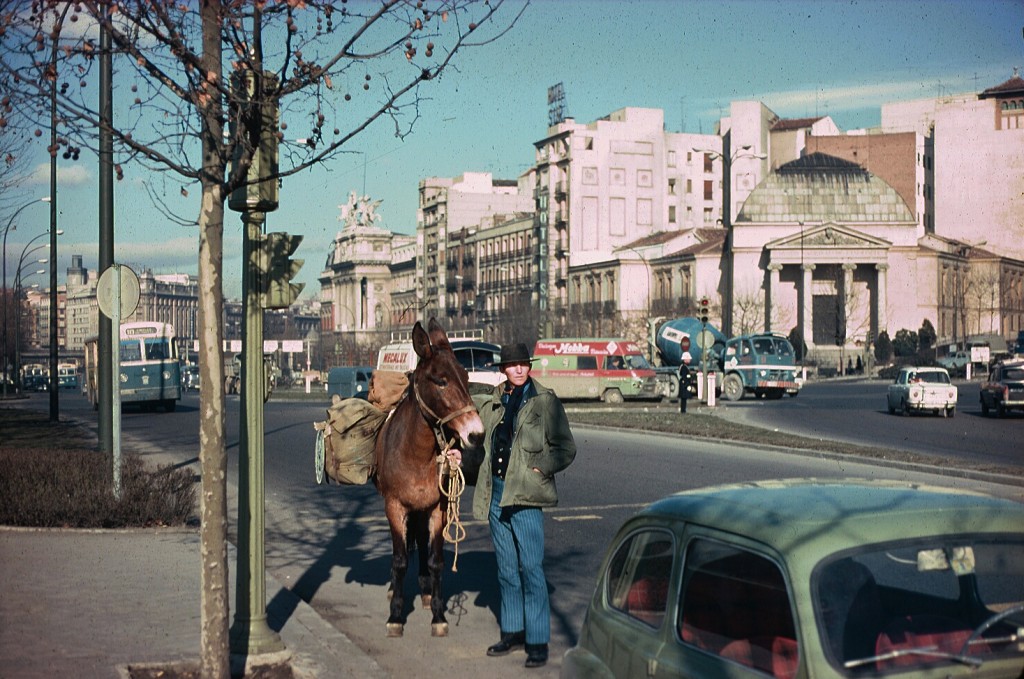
762,365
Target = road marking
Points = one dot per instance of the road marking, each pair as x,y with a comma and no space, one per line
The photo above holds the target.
583,517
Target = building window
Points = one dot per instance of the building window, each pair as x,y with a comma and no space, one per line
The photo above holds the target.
708,160
689,186
671,214
671,158
708,216
672,187
709,190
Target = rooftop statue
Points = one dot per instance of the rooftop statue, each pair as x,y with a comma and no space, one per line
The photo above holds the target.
359,211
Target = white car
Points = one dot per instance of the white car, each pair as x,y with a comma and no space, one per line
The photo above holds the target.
922,389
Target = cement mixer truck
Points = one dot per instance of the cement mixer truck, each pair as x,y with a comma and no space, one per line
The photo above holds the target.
761,364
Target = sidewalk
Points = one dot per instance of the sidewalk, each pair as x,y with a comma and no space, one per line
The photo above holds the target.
89,603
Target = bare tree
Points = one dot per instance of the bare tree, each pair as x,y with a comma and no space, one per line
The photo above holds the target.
748,312
334,73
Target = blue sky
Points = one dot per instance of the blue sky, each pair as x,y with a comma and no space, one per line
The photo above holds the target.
842,59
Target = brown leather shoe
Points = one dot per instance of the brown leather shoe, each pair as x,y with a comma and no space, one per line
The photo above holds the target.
508,643
536,655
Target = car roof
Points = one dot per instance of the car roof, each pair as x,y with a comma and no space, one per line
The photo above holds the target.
816,517
458,343
925,369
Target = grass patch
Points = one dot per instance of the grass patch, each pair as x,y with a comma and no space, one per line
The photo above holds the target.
52,475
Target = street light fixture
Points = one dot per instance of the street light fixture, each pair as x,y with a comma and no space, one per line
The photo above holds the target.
7,229
727,161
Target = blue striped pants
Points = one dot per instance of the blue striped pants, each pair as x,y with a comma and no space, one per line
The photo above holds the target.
518,536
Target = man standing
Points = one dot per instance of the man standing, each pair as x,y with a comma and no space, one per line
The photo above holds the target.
527,440
685,382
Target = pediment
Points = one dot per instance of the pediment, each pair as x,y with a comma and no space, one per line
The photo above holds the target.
827,236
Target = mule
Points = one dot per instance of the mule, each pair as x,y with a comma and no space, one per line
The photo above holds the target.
436,407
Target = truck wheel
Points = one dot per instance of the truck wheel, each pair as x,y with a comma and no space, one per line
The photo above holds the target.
951,411
732,387
905,409
613,396
1000,410
170,404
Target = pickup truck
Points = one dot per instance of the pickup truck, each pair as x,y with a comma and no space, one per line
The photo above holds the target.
922,389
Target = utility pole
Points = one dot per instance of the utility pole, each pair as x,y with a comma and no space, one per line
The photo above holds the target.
250,634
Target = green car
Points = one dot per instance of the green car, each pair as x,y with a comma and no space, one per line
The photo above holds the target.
808,578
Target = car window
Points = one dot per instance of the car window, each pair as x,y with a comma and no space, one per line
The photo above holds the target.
614,363
735,604
1013,374
586,363
935,377
877,606
638,576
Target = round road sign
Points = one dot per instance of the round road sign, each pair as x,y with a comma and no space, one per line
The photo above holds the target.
107,289
705,340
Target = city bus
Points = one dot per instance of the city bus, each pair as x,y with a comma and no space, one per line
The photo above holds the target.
150,371
67,375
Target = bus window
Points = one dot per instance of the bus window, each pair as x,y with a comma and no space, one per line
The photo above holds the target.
131,351
156,350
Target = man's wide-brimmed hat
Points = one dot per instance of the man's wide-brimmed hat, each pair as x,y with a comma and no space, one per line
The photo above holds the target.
514,353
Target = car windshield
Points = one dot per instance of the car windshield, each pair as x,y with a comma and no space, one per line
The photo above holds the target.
906,606
1014,374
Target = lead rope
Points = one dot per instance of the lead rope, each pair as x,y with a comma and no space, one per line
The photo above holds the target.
453,531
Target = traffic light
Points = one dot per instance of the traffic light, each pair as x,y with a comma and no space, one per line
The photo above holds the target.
278,270
705,304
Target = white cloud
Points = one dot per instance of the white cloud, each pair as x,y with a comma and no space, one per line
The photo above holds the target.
67,175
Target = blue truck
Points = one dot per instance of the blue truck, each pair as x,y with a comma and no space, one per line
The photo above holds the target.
760,364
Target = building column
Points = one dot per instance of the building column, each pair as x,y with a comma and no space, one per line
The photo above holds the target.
881,299
771,294
806,305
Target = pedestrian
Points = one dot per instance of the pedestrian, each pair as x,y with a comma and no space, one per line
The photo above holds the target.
527,440
860,365
685,383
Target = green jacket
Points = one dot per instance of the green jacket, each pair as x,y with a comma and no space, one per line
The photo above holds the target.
541,439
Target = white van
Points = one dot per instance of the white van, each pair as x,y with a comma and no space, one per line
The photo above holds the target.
479,358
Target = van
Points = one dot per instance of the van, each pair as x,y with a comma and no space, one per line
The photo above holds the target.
479,358
611,369
349,381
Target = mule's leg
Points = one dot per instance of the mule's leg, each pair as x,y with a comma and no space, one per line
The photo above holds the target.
399,564
438,623
419,532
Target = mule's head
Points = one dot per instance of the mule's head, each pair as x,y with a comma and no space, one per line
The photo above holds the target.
442,385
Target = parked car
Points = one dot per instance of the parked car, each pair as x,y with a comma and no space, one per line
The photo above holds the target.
955,362
920,389
807,578
1004,389
190,378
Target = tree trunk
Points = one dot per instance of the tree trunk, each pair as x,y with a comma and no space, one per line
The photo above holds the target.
214,597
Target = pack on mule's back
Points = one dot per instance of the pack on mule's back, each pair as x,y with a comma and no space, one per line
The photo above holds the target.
350,434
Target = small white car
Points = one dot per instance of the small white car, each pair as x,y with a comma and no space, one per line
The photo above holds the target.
922,389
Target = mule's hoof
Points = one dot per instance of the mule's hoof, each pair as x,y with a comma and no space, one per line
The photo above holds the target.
425,599
438,629
395,629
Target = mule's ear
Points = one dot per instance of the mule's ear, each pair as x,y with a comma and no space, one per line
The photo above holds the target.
420,341
438,337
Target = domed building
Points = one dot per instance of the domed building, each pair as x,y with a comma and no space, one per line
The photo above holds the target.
825,247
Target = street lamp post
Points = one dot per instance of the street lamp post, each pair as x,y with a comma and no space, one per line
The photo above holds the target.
727,162
7,230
